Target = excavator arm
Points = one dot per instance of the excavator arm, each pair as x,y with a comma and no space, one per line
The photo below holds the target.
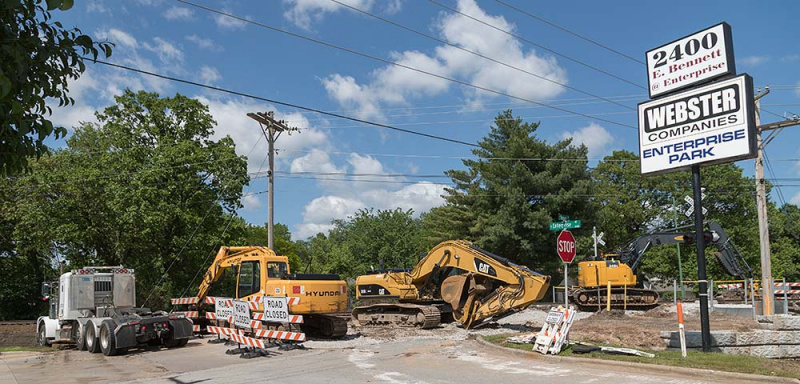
480,284
727,253
226,257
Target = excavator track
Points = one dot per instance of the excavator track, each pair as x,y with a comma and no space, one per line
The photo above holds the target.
637,298
324,326
404,315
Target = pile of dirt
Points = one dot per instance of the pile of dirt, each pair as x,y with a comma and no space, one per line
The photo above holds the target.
642,329
15,334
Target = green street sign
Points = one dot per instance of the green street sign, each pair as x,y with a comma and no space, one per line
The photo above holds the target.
565,225
562,217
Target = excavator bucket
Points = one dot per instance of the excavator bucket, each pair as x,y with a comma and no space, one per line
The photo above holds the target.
454,289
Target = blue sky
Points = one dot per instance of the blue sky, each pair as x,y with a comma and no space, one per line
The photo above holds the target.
402,170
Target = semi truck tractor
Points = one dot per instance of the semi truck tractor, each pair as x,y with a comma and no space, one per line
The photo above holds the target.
94,308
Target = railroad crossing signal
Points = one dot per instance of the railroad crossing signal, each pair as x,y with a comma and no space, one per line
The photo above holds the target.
690,202
599,238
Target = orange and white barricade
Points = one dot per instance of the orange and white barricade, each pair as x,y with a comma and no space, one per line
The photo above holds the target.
555,330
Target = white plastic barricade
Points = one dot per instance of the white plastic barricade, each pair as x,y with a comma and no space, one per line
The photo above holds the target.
555,330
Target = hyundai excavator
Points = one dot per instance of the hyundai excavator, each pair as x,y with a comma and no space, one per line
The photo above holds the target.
455,277
619,269
260,272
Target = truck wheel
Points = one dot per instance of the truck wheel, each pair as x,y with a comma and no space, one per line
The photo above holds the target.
80,337
108,340
41,336
92,345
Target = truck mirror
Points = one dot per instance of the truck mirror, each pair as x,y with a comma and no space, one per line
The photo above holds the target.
46,289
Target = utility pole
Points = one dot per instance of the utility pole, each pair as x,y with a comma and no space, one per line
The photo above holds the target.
272,129
767,285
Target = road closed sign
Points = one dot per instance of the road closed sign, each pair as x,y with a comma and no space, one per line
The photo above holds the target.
691,60
241,313
276,309
706,125
565,246
223,308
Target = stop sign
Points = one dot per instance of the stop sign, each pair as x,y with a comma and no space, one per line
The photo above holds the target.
565,246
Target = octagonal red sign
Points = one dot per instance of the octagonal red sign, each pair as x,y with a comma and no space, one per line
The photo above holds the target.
565,246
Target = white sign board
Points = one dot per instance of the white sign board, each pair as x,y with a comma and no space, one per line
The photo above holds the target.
693,59
554,317
241,313
707,125
276,309
223,308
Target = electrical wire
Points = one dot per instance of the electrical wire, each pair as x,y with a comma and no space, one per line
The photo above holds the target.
480,55
570,32
399,65
296,106
534,44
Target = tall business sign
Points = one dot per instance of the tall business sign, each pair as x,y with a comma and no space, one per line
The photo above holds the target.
700,113
707,124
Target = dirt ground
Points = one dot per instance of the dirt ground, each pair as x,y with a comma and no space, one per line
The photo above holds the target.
15,334
635,329
642,329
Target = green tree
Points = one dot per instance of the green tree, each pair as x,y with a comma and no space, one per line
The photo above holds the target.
282,242
507,198
144,187
37,60
369,239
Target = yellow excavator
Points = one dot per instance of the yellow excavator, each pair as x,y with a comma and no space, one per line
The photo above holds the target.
260,272
618,269
455,277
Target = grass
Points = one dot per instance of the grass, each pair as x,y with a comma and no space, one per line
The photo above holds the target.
25,349
715,361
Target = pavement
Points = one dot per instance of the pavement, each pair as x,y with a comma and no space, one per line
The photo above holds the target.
394,361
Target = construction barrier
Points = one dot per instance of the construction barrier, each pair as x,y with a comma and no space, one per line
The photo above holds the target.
280,335
555,331
223,330
184,300
189,314
293,319
248,341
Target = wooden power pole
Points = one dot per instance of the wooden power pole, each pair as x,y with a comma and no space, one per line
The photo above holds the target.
767,285
272,129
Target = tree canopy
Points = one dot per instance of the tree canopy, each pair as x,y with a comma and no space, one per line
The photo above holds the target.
38,58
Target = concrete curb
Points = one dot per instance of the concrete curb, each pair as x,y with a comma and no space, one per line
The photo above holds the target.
653,367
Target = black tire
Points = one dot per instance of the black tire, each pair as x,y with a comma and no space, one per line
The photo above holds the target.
174,343
108,340
80,337
92,344
41,336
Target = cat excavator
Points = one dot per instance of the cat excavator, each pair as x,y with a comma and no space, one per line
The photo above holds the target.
619,269
260,272
456,279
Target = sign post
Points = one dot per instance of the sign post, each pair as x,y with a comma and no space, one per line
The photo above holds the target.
711,123
566,249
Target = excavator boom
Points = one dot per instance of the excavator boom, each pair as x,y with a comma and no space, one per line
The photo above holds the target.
455,276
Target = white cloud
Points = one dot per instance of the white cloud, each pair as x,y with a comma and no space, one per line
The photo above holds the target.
118,37
320,212
231,117
304,12
204,43
795,199
166,51
209,75
251,202
593,136
178,13
393,85
752,61
97,6
226,22
790,58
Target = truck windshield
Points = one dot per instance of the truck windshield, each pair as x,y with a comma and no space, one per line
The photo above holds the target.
276,270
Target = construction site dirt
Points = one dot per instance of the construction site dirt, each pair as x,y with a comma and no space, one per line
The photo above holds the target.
362,348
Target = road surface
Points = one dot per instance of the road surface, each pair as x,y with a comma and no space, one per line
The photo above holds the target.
361,360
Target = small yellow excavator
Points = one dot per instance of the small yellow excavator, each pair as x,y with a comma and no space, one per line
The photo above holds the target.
618,269
455,277
260,272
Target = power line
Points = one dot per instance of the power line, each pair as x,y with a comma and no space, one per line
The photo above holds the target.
570,32
479,54
309,109
389,62
535,44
